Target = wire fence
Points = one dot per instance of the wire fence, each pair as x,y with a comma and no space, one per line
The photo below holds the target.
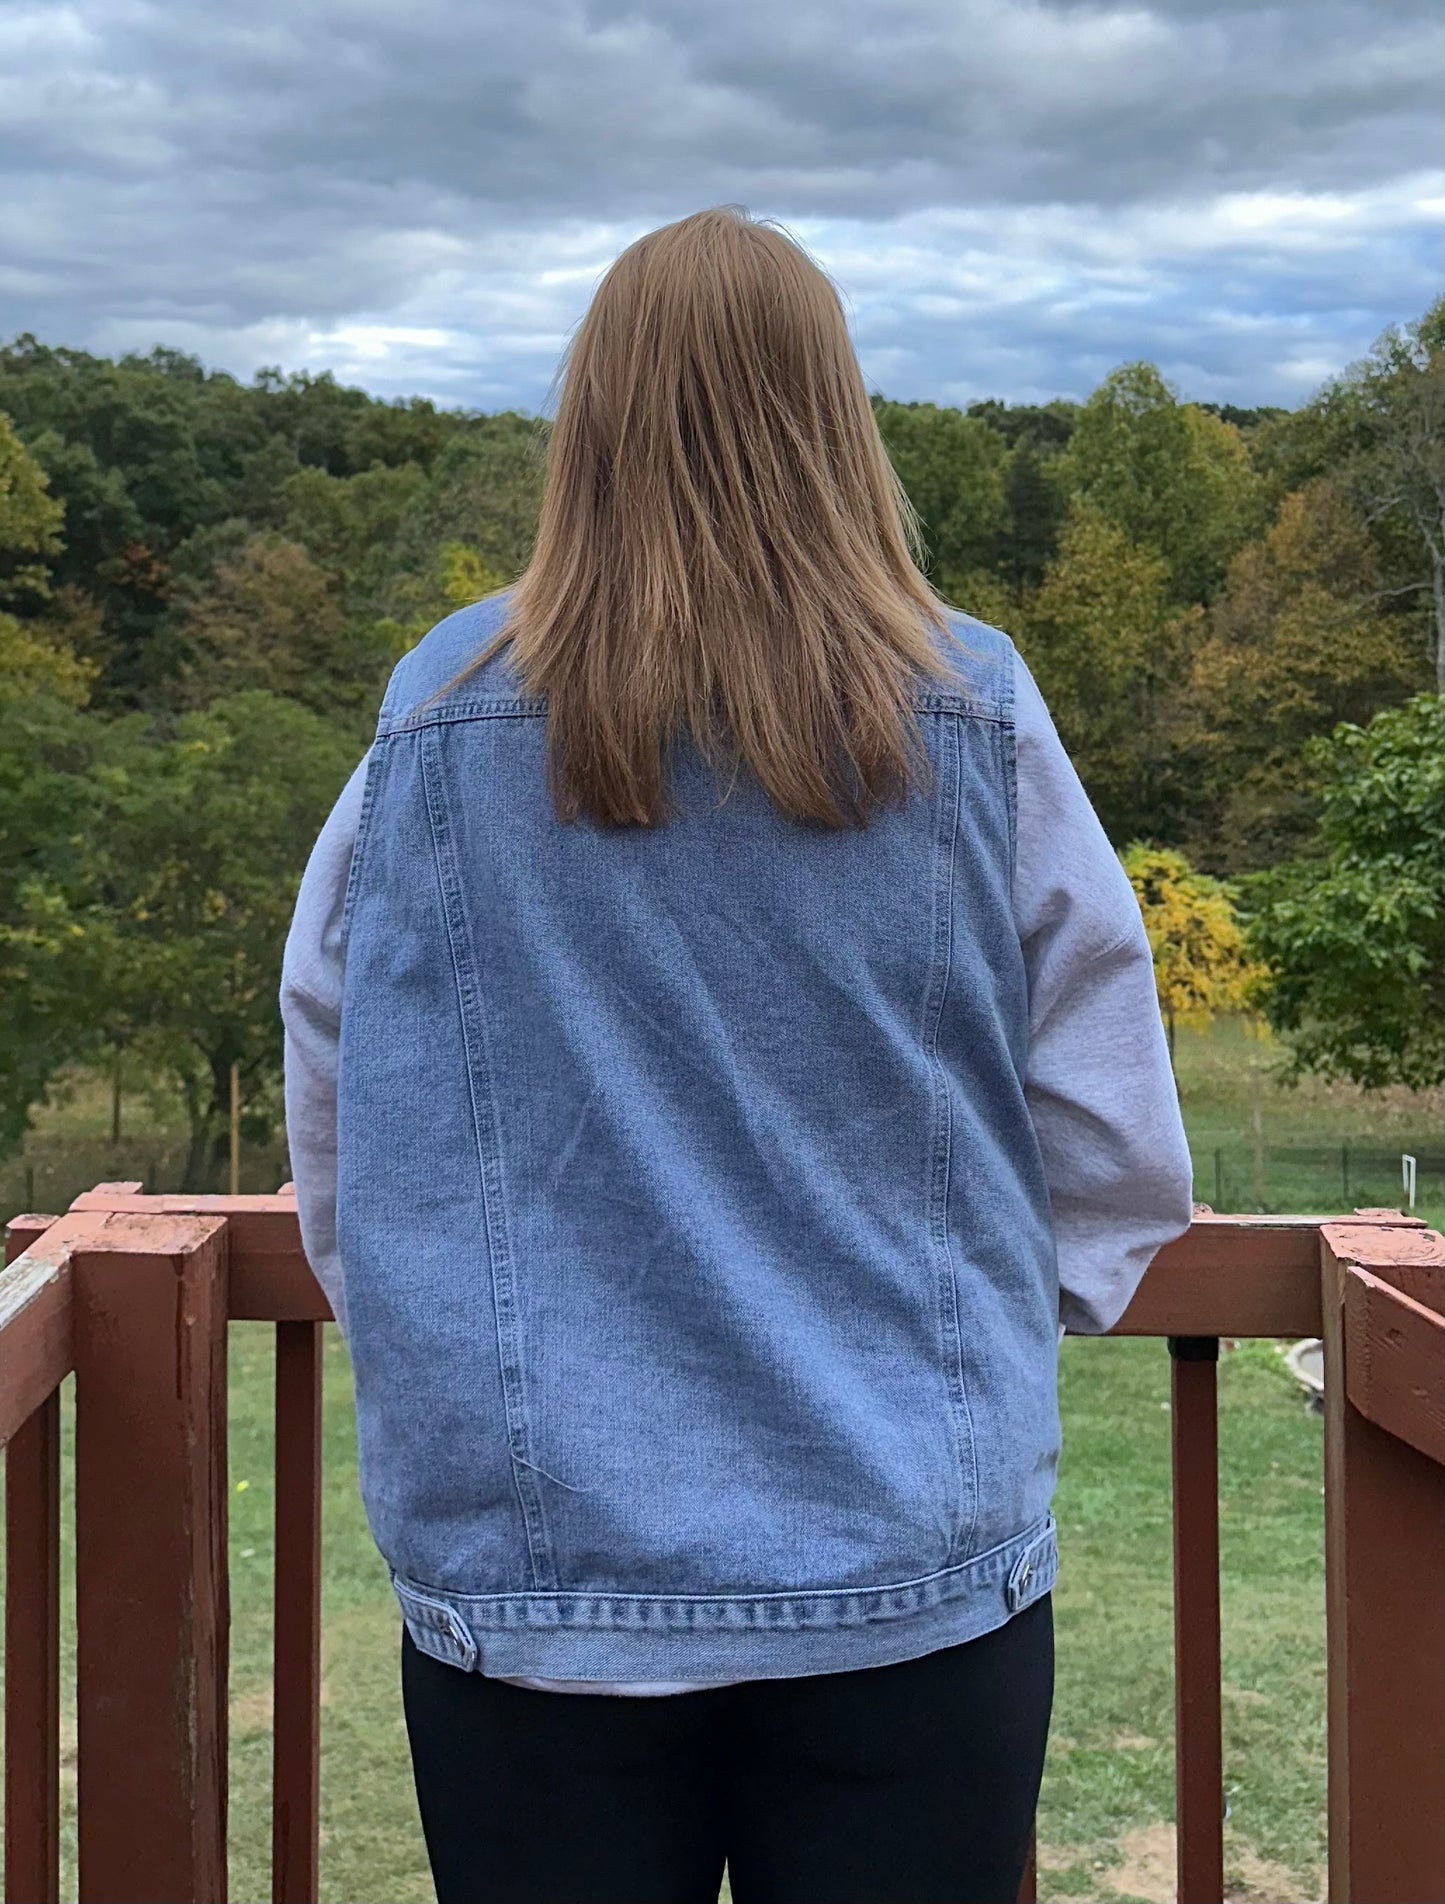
1238,1174
51,1175
1245,1175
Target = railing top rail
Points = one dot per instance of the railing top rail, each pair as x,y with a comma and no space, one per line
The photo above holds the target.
36,1352
116,1196
1229,1275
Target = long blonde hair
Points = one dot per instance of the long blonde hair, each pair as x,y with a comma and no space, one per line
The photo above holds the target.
723,546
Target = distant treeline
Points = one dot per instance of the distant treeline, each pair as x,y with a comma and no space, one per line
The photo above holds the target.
204,583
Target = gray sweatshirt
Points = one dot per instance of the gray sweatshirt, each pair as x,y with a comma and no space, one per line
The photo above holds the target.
1102,1099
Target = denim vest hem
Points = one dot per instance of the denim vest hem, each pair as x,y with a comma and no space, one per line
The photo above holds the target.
620,1637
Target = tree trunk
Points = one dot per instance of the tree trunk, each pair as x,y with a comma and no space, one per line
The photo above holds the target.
198,1156
205,1114
1256,1124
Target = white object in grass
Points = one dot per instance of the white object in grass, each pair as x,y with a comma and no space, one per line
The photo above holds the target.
1306,1362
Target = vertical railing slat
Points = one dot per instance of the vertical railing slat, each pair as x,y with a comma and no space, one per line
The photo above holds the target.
152,1615
295,1817
1198,1743
32,1659
32,1639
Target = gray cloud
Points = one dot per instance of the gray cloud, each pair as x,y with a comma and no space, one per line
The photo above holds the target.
298,178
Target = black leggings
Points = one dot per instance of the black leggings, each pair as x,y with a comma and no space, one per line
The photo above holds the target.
906,1784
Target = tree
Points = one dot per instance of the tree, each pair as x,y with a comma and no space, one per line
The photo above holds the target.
408,432
45,743
269,616
1391,412
1108,648
1352,935
1377,433
153,454
952,467
349,523
469,531
1175,479
33,658
30,520
1035,508
485,491
101,518
144,450
33,662
50,750
159,921
1202,963
314,414
1295,642
456,577
1047,427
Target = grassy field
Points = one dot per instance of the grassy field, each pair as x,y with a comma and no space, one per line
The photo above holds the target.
1107,1806
1226,1076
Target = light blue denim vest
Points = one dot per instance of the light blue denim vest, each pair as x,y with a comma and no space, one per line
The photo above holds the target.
701,1283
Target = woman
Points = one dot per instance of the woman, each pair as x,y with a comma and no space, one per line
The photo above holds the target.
722,1054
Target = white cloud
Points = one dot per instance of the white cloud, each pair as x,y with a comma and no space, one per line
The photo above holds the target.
1012,195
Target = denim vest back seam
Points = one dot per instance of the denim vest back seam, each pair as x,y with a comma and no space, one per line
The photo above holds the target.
472,1013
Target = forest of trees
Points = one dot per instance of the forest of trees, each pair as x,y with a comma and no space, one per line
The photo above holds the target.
204,584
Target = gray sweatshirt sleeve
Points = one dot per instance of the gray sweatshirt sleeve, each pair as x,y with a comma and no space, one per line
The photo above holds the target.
1099,1085
311,976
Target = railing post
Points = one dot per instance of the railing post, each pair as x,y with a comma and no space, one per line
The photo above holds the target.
32,1638
296,1704
1384,1561
151,1582
1198,1722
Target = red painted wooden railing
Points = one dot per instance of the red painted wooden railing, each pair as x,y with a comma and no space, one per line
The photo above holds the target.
134,1293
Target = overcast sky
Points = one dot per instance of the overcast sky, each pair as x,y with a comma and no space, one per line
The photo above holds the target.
1012,196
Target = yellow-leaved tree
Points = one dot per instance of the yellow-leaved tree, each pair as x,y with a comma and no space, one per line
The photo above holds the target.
457,576
1202,963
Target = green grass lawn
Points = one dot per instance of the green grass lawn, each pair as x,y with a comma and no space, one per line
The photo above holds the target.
1108,1796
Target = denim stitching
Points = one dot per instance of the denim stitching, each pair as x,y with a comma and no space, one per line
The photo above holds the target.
940,966
363,829
1008,743
534,707
484,1120
788,1611
968,1537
